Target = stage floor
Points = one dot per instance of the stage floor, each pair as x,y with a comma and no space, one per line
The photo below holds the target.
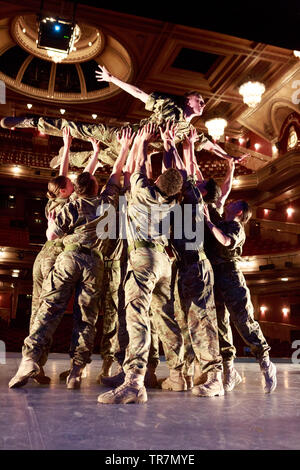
52,417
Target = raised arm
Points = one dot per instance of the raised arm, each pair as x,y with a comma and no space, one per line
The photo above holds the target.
217,150
189,156
103,75
227,183
131,160
217,233
171,155
125,138
93,162
64,165
147,133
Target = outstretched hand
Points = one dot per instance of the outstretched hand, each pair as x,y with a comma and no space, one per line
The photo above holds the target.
126,136
95,143
51,217
206,213
192,137
67,138
148,131
169,132
241,158
103,75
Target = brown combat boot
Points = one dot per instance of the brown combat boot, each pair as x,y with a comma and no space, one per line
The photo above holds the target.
231,376
64,375
189,381
74,378
131,391
199,376
28,368
150,377
212,387
41,378
106,369
175,382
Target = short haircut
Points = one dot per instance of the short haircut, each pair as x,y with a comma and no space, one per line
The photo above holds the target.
85,184
55,185
213,191
170,182
190,93
247,212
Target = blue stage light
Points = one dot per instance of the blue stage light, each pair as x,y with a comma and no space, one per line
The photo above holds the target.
57,27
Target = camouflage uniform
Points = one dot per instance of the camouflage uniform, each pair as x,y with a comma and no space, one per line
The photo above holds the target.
42,266
195,290
79,267
114,338
232,295
164,108
149,275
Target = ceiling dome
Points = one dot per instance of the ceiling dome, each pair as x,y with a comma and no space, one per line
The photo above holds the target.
29,70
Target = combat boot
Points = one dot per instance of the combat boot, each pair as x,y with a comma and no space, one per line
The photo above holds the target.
41,378
63,375
189,381
113,381
212,387
150,377
231,376
28,368
10,122
268,370
175,382
199,376
106,368
74,378
131,391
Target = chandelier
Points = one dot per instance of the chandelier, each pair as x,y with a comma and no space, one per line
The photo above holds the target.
216,127
252,92
57,56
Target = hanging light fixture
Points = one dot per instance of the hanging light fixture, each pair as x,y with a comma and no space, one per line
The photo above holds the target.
216,127
252,92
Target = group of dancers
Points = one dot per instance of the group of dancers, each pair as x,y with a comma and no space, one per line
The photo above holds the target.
145,263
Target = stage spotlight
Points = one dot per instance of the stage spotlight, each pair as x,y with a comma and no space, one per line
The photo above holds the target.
264,267
55,34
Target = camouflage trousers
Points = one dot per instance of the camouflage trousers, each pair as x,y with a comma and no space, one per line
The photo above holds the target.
73,270
41,268
196,314
115,336
105,134
233,301
150,277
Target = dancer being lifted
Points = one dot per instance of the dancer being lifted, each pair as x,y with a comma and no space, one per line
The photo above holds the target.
164,108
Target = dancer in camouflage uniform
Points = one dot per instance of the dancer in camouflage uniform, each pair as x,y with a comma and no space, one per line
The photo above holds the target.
78,267
149,274
195,278
164,109
231,290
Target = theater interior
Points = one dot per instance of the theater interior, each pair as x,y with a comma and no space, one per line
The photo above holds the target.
172,58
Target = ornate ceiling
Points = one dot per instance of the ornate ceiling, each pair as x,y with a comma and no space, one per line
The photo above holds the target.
155,55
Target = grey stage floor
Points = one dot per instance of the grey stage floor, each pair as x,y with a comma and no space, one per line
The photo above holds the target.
52,417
